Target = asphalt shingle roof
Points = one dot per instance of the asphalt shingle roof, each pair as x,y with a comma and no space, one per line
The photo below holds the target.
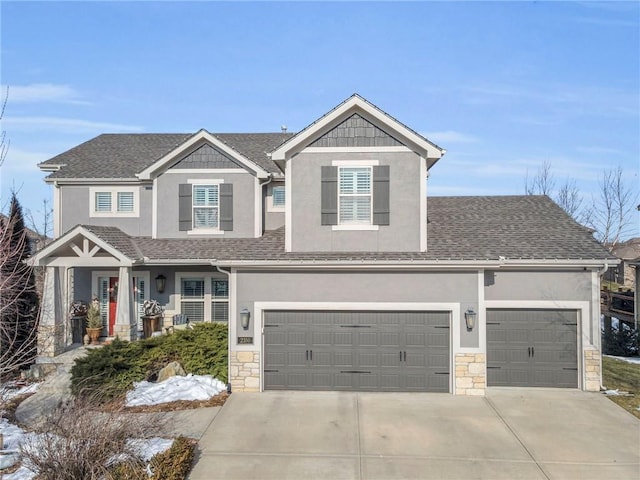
122,155
459,229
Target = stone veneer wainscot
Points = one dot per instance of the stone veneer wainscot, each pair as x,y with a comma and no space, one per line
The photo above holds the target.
244,371
471,373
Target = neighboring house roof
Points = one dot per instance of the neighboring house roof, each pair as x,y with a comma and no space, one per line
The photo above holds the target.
35,238
461,229
628,251
122,155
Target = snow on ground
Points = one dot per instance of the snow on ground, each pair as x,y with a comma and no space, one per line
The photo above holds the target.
634,360
14,436
8,391
191,387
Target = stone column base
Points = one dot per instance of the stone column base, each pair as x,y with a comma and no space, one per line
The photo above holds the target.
244,371
125,332
51,340
471,374
592,380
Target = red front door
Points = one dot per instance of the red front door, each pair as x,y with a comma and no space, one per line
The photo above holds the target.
113,302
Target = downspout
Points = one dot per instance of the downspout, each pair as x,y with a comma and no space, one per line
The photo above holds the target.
601,272
262,209
228,274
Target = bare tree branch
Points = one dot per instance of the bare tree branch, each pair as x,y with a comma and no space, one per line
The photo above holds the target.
542,183
4,141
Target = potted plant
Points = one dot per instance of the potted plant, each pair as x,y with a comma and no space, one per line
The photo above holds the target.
152,317
94,321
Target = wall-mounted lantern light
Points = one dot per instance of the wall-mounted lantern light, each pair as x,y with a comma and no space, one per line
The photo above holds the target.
470,318
245,316
161,283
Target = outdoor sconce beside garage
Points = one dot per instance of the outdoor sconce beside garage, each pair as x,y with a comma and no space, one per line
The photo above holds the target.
245,317
161,283
470,318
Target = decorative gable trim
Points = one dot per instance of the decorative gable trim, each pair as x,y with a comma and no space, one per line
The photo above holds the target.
373,115
199,139
356,131
206,157
79,240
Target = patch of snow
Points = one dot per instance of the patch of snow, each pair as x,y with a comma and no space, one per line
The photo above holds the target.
148,447
634,360
23,473
8,391
191,387
612,392
12,434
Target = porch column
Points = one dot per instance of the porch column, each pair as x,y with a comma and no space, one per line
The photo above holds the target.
51,331
126,324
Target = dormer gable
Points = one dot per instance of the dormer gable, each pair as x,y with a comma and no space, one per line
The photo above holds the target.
360,120
203,147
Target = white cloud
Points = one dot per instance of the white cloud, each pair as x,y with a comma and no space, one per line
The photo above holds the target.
23,161
72,125
450,136
44,92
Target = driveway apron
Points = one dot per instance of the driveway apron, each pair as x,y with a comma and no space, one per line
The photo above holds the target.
509,434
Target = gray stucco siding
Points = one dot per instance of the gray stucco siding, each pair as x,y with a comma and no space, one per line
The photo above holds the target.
366,286
272,219
404,200
243,203
75,204
538,285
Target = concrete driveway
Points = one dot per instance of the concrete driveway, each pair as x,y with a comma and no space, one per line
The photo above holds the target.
509,434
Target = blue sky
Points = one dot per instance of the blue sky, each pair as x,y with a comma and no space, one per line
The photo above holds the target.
503,86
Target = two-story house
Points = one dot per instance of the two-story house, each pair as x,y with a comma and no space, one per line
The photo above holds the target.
323,253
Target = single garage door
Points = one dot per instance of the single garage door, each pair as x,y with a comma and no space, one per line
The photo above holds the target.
356,351
532,348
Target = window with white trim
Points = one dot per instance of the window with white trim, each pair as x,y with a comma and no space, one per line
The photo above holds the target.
204,298
125,202
278,194
219,300
192,298
206,202
354,195
113,201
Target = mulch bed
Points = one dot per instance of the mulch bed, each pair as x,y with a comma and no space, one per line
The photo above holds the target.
118,405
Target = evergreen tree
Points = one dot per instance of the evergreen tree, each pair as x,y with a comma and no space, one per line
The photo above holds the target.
19,303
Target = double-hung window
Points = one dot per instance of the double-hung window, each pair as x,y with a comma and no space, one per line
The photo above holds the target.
206,202
204,298
192,298
354,195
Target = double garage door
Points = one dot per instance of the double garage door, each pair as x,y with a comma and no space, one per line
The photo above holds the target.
532,348
356,350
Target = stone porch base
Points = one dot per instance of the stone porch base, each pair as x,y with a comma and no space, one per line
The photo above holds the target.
244,371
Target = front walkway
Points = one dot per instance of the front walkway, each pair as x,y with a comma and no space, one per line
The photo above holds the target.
509,434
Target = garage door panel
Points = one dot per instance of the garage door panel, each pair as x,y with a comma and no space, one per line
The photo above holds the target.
532,348
360,350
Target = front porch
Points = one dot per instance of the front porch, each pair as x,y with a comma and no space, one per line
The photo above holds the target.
82,266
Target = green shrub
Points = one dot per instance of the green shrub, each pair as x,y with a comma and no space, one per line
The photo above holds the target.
175,463
110,371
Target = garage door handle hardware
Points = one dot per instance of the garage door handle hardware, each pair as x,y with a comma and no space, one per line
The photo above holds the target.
570,368
271,371
440,326
533,351
354,371
272,325
492,367
355,326
403,356
574,324
441,373
309,354
493,323
529,351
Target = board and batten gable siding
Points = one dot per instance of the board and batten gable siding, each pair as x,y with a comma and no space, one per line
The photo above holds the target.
75,203
312,221
206,157
356,131
237,203
357,287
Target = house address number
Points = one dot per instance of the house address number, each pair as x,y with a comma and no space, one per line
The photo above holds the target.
244,340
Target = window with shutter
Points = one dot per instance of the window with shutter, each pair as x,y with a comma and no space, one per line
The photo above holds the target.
205,206
354,192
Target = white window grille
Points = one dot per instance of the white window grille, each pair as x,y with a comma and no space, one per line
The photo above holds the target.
354,195
205,206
